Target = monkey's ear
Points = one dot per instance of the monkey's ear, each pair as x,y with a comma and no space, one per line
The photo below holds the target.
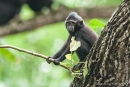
81,23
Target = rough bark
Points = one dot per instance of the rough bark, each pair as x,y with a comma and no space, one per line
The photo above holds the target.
52,17
109,59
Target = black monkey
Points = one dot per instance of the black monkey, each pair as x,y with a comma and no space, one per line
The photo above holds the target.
77,28
37,5
8,9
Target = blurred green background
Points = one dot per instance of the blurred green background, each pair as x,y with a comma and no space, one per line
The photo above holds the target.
19,69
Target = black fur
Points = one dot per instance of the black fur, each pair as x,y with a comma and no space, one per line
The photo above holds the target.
77,28
8,9
37,5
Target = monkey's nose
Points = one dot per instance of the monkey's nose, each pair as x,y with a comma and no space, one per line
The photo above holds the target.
71,23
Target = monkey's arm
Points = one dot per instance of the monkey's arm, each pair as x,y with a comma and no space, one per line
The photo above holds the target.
90,36
62,50
62,56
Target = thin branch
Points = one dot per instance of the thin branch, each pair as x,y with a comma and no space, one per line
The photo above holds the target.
32,53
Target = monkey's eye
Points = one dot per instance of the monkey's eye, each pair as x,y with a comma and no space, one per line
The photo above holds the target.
70,23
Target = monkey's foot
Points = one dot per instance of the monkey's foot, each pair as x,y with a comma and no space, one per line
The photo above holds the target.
77,71
75,68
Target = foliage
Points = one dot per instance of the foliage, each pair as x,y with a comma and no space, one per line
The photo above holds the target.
97,25
74,45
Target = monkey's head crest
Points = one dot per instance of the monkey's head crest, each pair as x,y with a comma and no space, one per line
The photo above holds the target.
74,16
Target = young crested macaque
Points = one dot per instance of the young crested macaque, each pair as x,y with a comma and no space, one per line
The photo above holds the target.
78,29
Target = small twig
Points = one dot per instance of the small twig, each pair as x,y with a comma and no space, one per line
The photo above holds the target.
32,53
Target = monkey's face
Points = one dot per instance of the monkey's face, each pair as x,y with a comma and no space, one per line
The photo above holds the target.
70,25
73,26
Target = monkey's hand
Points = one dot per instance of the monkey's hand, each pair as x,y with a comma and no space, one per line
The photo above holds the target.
48,59
56,62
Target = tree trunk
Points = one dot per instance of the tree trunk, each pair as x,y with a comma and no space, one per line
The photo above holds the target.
109,59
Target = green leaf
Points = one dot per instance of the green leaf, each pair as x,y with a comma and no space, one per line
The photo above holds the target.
95,23
65,64
74,44
73,38
68,56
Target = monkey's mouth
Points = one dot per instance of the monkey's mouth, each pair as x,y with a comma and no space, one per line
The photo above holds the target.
70,29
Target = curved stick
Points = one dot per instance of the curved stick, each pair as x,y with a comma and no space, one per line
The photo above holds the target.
32,53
